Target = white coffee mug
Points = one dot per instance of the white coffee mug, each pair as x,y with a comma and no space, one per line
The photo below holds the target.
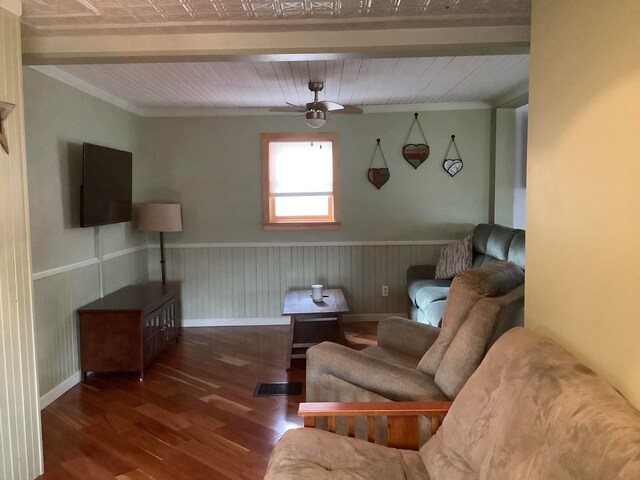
316,293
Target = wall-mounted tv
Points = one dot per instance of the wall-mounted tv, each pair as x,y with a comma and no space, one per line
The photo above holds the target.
106,186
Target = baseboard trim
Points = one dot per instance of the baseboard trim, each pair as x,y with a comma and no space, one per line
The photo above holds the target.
369,317
59,390
235,322
285,320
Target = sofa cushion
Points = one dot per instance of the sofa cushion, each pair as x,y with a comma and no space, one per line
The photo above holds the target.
311,453
499,242
531,411
455,258
480,238
516,249
414,287
430,294
466,289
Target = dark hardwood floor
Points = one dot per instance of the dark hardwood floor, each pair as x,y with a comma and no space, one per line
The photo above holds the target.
193,417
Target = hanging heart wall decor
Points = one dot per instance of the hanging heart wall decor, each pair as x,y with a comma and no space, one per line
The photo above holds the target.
452,165
378,176
415,153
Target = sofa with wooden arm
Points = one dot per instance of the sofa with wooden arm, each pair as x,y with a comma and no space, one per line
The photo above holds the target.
531,411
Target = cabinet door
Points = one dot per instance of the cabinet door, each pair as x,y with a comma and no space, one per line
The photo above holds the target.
151,334
172,319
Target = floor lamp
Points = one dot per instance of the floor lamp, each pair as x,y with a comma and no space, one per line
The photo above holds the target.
160,217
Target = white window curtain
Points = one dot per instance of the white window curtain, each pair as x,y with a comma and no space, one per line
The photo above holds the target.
300,168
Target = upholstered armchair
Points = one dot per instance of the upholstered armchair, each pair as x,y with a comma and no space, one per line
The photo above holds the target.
530,411
415,362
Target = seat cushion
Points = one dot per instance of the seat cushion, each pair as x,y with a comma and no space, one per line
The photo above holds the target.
391,356
414,287
432,313
310,453
429,294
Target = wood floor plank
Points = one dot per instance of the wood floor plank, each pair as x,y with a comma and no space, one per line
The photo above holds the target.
194,417
163,416
135,475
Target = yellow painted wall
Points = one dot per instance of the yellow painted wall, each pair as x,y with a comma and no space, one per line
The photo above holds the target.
583,192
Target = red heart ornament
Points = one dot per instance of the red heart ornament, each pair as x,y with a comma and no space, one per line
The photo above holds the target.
378,176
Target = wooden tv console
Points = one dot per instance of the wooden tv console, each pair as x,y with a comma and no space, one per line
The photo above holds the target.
126,330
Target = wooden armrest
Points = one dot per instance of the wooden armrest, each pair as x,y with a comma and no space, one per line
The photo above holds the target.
350,409
402,418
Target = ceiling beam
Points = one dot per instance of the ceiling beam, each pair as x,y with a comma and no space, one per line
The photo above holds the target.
275,46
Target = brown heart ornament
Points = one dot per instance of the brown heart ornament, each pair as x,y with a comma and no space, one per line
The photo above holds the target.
415,153
378,176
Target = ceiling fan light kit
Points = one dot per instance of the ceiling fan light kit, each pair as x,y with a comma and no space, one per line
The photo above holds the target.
316,118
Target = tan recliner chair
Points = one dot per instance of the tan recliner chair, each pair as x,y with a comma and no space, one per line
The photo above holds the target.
415,362
530,411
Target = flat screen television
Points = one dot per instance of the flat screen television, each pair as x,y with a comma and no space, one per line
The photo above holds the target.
106,186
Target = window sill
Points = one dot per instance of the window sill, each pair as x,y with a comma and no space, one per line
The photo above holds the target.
301,226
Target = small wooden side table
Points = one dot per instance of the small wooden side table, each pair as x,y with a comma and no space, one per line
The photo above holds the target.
311,322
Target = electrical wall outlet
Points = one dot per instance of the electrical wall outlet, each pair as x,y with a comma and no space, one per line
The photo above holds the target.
385,290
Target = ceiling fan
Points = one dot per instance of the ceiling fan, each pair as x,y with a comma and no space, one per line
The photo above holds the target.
316,112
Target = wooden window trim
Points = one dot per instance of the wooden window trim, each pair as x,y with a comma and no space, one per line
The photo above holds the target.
300,223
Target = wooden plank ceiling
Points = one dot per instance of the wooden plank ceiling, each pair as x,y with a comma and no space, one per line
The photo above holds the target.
374,81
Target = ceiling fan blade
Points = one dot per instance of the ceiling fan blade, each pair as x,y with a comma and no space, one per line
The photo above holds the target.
328,106
293,109
349,110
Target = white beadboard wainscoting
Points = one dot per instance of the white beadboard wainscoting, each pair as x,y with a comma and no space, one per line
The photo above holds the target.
222,285
58,294
248,281
20,436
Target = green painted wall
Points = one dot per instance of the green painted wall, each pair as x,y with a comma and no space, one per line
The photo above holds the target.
212,166
58,119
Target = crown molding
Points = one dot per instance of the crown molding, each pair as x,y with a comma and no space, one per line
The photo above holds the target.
13,6
516,97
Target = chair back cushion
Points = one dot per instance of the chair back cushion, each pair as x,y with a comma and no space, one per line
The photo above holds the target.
466,290
472,341
531,411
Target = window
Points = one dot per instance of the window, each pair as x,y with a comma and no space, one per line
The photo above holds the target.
300,181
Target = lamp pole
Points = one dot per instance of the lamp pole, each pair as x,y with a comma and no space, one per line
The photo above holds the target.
162,258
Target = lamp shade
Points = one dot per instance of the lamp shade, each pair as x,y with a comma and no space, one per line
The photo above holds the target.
160,217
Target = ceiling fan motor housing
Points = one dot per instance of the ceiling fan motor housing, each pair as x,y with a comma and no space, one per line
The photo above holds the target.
316,86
